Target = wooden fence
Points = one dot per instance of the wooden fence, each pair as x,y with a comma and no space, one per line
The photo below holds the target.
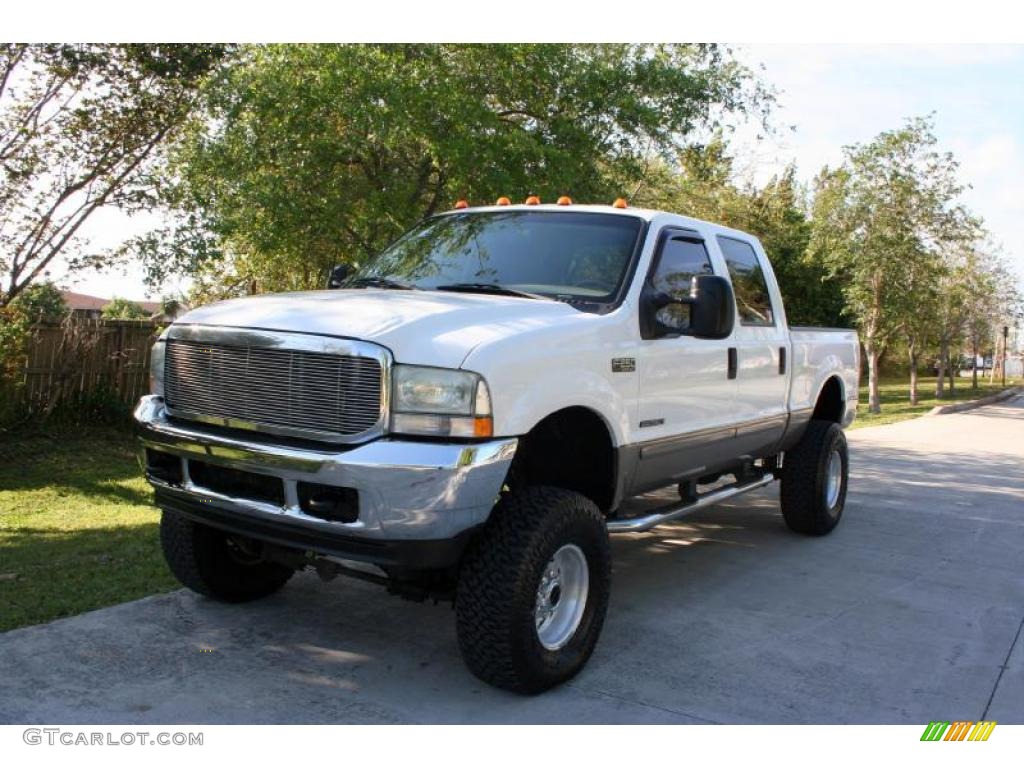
69,360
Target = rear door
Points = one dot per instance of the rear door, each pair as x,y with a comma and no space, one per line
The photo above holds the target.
760,345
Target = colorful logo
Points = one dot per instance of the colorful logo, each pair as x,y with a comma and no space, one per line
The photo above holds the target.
961,730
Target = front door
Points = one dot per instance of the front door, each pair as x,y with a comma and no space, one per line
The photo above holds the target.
686,397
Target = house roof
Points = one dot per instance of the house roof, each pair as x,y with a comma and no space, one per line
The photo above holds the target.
84,301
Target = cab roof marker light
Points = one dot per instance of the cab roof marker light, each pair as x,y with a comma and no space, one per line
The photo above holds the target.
461,204
565,200
620,202
533,200
503,201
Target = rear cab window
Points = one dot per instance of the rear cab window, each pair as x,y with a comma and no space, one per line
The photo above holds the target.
753,301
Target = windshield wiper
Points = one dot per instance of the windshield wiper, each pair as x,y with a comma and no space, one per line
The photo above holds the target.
494,288
381,282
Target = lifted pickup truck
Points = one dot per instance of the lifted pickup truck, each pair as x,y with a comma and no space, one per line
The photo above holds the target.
463,417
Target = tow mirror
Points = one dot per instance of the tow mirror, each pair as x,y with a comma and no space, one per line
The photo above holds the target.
707,313
338,274
713,307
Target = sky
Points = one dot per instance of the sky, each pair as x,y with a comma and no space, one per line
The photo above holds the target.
831,96
835,95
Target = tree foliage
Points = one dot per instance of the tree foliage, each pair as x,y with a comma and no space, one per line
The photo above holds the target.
124,309
702,183
79,126
41,301
288,159
313,155
885,223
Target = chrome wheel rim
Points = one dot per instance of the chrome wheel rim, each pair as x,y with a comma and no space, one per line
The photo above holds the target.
834,479
561,597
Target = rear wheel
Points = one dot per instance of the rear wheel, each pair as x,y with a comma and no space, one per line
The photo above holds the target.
814,479
216,564
533,590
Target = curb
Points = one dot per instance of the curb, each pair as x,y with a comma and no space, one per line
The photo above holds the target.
1006,394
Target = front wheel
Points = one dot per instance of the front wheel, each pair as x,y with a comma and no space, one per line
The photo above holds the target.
814,479
533,590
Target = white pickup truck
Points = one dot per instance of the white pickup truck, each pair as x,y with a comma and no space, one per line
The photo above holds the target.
463,416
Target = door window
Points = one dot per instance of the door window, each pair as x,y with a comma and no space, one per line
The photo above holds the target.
681,259
753,301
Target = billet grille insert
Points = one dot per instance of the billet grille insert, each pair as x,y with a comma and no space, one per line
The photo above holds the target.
297,390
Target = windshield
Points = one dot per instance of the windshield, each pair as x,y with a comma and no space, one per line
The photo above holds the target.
575,256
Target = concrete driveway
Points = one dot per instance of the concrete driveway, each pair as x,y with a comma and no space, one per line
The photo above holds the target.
910,612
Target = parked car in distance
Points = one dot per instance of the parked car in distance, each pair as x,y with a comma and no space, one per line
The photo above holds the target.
463,417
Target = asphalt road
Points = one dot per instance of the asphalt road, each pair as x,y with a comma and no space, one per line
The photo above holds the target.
910,612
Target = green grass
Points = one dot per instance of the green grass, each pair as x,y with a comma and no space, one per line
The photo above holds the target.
895,397
77,527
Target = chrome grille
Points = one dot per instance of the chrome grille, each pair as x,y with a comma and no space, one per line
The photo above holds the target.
289,391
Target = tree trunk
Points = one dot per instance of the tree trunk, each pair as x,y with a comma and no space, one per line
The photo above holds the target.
952,372
913,373
940,379
974,365
995,357
874,401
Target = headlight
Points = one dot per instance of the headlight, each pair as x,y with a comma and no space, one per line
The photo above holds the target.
440,401
156,368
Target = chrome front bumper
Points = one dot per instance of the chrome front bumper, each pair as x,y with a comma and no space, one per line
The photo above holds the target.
409,491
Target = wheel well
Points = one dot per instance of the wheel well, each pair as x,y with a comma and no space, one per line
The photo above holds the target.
830,405
572,449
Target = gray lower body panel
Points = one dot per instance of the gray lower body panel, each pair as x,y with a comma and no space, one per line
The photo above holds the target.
684,457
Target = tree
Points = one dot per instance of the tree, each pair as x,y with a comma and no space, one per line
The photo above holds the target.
919,327
310,155
775,214
981,313
702,184
881,222
953,281
124,309
991,300
41,301
79,127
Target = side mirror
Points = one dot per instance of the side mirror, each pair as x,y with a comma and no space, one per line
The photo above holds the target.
711,310
713,307
338,274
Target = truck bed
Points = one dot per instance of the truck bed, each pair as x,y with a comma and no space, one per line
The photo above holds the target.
817,354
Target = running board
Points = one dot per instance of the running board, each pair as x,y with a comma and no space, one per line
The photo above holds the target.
645,523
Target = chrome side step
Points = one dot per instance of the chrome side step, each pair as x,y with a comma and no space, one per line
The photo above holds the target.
645,523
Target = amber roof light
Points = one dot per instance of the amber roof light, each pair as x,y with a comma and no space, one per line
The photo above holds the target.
620,203
461,204
565,200
533,200
503,201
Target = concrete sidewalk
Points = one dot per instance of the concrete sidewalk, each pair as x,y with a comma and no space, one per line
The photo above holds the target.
910,612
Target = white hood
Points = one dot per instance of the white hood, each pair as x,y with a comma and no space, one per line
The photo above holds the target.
422,327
